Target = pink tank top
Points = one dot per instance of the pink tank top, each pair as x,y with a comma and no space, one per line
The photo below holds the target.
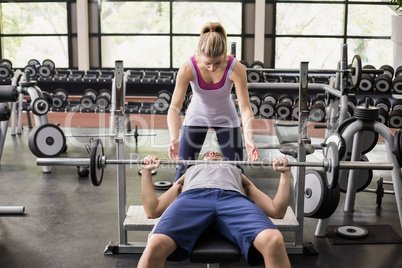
211,104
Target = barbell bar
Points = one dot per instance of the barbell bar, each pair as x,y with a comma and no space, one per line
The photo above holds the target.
97,162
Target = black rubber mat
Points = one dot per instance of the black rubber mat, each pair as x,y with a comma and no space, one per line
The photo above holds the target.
377,234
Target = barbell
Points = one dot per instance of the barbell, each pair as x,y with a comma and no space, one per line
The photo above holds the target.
97,162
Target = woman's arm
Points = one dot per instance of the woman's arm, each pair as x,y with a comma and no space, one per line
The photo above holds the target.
239,77
154,206
277,207
184,76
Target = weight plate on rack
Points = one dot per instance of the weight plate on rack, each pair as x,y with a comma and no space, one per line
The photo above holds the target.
40,106
338,140
47,140
314,192
95,168
364,179
356,71
332,172
370,138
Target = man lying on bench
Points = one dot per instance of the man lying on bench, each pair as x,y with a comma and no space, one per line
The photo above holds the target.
219,196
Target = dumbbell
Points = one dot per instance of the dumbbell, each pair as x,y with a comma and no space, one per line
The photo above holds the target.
255,102
32,67
244,63
5,68
162,101
268,104
284,106
383,116
395,119
102,101
317,112
187,100
47,68
59,98
255,76
383,82
383,103
87,101
40,106
397,84
296,108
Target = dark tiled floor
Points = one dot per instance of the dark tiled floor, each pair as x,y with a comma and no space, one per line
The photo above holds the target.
68,222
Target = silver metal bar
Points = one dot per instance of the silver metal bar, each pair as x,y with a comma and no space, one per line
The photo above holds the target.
14,210
105,161
107,135
63,161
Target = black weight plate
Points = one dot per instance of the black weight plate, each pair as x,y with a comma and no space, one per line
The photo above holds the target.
161,104
369,141
337,139
165,94
95,168
62,93
351,231
91,93
357,71
101,102
33,62
45,71
364,179
6,63
162,185
57,101
267,109
87,102
315,191
47,140
332,173
30,69
40,106
397,85
4,72
49,63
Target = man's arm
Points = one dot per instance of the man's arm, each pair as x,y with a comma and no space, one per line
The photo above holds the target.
277,207
154,206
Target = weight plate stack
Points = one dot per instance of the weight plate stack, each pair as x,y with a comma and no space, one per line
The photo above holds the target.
366,113
47,140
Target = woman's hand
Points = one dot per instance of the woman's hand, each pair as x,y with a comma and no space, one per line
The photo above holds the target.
252,151
174,149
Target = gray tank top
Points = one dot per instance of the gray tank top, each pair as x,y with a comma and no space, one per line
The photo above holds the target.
222,176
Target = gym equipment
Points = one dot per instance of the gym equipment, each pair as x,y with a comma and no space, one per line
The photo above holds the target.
136,134
47,68
162,101
364,179
320,202
98,162
351,231
59,98
47,140
5,68
162,185
103,99
397,85
40,106
87,101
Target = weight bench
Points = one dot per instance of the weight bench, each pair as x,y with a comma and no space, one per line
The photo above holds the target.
288,137
210,248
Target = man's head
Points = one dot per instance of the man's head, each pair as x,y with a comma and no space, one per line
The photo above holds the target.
212,156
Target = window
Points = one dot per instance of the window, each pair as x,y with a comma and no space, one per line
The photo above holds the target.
161,34
34,31
318,34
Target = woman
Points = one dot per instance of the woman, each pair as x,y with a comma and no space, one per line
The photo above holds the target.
211,74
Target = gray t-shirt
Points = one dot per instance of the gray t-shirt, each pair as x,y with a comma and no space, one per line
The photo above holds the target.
221,176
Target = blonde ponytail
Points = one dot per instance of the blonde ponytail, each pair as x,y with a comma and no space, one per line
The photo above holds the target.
213,40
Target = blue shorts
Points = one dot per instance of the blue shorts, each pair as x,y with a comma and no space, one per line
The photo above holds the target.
230,213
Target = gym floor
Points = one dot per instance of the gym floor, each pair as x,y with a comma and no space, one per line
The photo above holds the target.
68,222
